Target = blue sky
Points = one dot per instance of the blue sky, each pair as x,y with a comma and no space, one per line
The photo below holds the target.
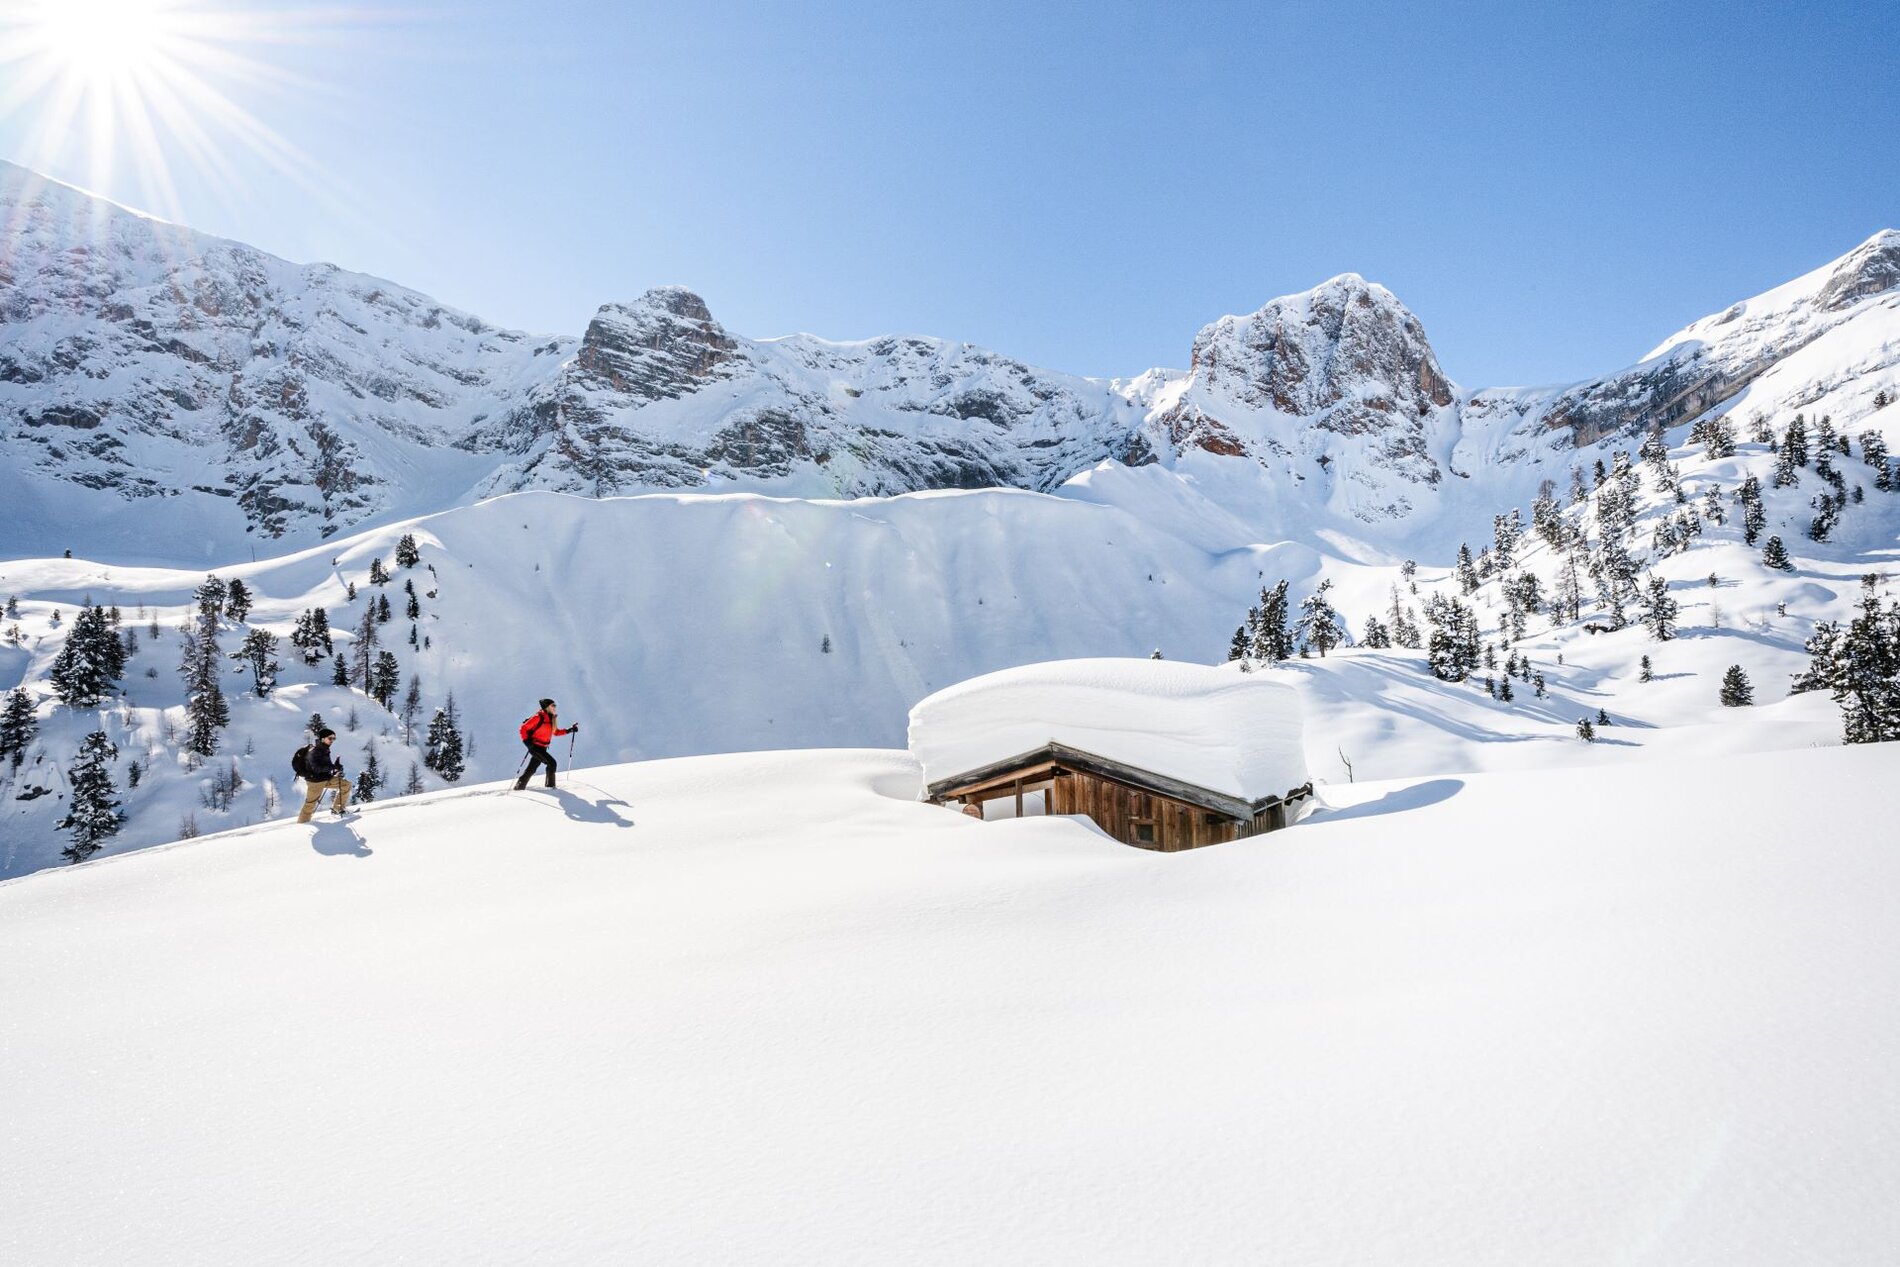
1551,187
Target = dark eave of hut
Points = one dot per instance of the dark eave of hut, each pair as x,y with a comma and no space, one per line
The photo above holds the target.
1053,754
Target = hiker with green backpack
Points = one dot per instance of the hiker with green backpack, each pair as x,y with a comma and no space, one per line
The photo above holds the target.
321,773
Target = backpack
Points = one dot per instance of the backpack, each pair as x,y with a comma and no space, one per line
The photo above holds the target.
299,765
529,727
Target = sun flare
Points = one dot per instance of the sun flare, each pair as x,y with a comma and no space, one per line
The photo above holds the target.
105,42
153,83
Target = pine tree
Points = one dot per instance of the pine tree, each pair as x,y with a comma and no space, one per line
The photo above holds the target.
338,675
1505,533
384,677
407,556
1737,692
90,663
93,815
1754,515
378,574
312,635
1547,519
200,664
211,595
1272,642
369,780
1466,573
1376,635
1537,683
1505,693
13,605
414,785
363,653
1775,555
259,654
411,705
1585,731
1866,674
412,607
18,726
1451,649
1659,610
1238,648
1794,443
237,602
1603,717
1646,672
443,749
1319,626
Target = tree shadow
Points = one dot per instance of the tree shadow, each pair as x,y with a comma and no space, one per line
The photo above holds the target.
1418,796
335,839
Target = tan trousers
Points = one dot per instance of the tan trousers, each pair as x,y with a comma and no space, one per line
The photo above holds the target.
313,792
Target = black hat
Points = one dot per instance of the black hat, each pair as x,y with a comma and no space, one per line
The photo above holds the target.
326,733
547,703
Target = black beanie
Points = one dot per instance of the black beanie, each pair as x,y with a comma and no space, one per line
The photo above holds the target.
326,733
547,703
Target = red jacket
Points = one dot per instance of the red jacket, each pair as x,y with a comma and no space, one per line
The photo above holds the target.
539,730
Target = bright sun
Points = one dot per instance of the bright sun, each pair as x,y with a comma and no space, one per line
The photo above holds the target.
108,43
150,82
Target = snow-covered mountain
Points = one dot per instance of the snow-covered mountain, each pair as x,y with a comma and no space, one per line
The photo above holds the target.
266,405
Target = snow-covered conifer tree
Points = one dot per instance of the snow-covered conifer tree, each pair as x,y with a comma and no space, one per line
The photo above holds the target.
1319,626
1272,641
443,749
369,780
1659,609
378,574
259,654
93,814
407,556
1775,555
384,677
18,726
1737,691
237,601
91,662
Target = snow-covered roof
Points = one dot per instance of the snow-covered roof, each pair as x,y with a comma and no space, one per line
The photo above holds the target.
1216,728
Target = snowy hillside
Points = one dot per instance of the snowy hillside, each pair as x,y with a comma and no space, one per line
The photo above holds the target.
768,1007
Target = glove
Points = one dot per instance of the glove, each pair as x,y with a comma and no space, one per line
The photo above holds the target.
575,729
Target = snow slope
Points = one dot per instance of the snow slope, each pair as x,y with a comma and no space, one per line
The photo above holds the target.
767,1008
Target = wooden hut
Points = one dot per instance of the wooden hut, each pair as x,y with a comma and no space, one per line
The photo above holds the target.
1161,755
1137,807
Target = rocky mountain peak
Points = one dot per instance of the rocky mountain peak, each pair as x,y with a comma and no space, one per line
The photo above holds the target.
1345,341
662,346
1872,268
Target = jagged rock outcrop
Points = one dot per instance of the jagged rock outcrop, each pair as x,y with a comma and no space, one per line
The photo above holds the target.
1341,379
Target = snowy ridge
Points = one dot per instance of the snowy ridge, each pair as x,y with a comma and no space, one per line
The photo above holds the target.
267,402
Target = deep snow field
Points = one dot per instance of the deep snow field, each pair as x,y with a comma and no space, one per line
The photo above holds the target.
769,1008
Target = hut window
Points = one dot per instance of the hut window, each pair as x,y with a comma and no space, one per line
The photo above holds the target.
1144,832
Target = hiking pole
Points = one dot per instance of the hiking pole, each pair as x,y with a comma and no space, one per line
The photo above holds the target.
570,744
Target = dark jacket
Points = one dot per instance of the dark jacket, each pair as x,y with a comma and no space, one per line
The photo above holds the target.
539,730
318,761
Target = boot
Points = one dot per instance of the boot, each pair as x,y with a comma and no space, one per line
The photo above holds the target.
521,783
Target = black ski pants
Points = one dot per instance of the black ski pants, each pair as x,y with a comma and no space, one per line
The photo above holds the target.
537,757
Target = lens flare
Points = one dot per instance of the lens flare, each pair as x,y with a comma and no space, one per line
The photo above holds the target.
106,83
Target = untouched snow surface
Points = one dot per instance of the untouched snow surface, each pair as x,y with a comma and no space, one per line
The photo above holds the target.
1222,729
765,1008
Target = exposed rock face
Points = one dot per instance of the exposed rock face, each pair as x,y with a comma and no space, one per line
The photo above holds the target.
1341,377
663,347
1872,268
1717,358
143,359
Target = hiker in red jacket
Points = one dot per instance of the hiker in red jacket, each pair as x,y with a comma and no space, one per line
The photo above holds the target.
538,732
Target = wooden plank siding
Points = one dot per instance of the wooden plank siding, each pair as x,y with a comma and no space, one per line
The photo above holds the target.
1145,817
